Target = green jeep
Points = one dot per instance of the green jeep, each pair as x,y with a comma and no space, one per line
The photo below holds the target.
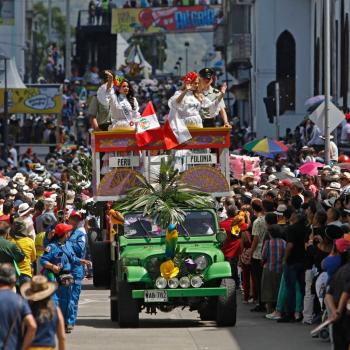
203,280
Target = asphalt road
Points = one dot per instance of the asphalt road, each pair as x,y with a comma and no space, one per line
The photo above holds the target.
182,330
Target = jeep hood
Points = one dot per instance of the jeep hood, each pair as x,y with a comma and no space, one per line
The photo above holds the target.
143,252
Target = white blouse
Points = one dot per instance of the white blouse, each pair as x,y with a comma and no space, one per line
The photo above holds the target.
189,108
122,114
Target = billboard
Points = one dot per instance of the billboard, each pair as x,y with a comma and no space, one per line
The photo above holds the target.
177,19
7,12
36,99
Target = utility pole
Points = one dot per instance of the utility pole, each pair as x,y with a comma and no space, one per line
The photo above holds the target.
5,116
277,98
68,42
327,70
50,20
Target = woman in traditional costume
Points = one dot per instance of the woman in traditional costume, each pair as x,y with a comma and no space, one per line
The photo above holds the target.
189,100
118,95
121,101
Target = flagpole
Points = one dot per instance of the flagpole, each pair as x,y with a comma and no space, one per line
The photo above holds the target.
327,91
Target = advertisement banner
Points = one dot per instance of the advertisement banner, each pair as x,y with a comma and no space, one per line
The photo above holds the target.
36,99
7,12
175,19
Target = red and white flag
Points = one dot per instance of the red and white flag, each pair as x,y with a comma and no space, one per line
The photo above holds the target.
175,130
148,129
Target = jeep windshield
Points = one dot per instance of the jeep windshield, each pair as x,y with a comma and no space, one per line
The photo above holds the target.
197,223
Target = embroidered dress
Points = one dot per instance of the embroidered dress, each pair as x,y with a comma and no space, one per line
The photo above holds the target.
188,109
123,116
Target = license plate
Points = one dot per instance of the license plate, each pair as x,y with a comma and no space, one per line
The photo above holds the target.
156,296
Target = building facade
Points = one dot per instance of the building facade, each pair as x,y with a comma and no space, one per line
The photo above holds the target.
269,40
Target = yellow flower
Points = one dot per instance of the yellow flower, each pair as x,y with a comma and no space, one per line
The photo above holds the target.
168,269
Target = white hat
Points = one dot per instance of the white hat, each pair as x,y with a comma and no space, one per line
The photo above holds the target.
24,209
29,195
47,183
75,161
49,202
26,188
19,179
54,196
70,197
84,184
280,209
345,175
39,167
55,187
288,172
39,179
272,178
248,175
13,191
334,186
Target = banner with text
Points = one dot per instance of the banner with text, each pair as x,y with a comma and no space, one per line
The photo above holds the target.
36,99
166,19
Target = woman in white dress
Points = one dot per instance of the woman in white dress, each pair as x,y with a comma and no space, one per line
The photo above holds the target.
123,106
189,100
122,103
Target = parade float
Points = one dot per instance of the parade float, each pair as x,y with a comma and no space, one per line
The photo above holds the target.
164,249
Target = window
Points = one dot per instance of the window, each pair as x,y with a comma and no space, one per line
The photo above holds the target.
285,68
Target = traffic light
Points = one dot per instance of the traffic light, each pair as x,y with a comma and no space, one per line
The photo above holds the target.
270,106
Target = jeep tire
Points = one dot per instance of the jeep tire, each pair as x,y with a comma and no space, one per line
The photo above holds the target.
128,310
226,312
113,299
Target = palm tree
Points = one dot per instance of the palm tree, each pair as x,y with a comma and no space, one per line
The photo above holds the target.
166,197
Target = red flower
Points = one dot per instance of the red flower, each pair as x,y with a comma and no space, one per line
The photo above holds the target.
190,77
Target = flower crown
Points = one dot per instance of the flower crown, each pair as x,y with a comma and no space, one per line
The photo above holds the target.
118,80
190,77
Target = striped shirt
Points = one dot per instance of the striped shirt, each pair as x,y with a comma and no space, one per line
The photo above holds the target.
273,253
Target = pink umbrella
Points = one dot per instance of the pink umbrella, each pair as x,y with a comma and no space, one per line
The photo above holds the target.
310,168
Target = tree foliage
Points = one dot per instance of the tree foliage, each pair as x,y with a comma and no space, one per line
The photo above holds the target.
165,198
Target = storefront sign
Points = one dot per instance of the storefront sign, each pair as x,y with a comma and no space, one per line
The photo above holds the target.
166,19
36,99
124,162
204,158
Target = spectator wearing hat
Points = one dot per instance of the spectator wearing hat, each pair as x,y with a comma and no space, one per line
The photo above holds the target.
57,260
27,246
24,212
206,80
48,317
77,240
49,205
9,252
15,312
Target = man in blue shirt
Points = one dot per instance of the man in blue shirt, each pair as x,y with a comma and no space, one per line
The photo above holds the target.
15,313
77,241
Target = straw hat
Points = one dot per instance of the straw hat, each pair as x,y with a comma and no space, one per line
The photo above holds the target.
38,288
24,209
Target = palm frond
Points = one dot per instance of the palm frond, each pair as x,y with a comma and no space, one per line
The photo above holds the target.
165,198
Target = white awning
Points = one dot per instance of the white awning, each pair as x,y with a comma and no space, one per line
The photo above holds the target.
14,81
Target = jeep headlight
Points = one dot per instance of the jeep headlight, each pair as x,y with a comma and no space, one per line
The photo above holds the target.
201,262
196,281
173,283
161,283
185,282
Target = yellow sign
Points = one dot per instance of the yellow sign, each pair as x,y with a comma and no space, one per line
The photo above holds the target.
41,99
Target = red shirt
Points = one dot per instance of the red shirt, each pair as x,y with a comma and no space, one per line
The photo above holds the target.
231,247
6,218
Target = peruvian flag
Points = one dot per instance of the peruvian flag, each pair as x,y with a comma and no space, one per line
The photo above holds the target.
148,129
175,130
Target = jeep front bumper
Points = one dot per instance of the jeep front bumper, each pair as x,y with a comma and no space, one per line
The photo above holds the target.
185,292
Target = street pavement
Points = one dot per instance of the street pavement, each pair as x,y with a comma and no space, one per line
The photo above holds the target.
182,330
